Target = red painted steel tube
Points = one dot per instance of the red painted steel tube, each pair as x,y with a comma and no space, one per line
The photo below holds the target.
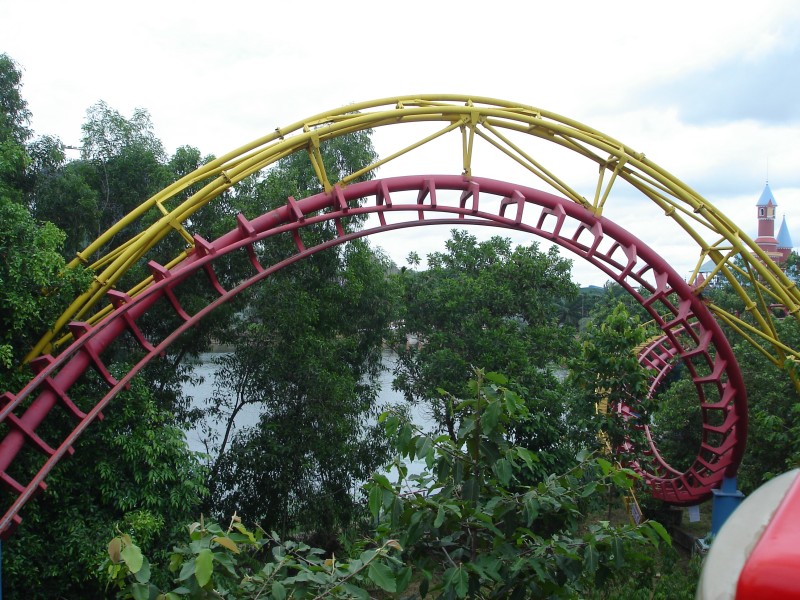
636,267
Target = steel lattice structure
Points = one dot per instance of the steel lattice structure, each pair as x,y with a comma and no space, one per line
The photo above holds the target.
97,318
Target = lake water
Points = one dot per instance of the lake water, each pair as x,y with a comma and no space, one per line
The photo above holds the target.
202,392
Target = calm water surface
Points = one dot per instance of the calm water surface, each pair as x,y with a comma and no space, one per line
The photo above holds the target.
202,392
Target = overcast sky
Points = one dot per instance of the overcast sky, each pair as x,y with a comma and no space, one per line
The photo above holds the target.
709,90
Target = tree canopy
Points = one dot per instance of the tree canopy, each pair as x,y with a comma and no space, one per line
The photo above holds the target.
491,305
306,356
14,130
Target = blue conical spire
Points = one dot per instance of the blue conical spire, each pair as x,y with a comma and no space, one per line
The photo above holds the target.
766,197
784,239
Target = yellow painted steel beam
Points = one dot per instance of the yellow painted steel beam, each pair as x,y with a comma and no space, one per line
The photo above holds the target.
516,131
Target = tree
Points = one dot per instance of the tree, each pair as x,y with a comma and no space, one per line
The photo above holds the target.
132,472
14,114
307,354
792,266
677,420
123,163
172,372
472,525
773,401
35,285
493,305
306,357
14,131
609,374
773,436
62,193
610,297
468,526
127,162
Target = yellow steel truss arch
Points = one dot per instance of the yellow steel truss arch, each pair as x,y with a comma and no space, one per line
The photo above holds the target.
506,128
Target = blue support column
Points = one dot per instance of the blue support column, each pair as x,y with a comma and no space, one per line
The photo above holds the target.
726,499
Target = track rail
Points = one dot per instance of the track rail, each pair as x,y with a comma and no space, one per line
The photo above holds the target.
690,332
479,136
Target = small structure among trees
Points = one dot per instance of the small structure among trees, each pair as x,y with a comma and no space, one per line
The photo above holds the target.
778,249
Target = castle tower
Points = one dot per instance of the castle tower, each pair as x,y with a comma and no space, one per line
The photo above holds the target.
784,241
766,224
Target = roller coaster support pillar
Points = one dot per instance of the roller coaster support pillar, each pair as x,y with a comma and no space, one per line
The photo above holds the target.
726,499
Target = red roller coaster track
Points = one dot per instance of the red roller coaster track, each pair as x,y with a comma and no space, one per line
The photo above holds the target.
691,336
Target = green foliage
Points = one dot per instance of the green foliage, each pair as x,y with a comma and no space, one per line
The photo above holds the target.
467,526
14,131
64,195
472,527
125,160
308,351
107,134
608,372
677,422
611,297
487,304
122,164
14,113
239,563
132,471
35,285
773,438
670,577
792,266
576,312
13,161
307,357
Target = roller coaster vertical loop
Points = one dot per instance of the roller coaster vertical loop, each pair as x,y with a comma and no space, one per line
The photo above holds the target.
691,335
588,178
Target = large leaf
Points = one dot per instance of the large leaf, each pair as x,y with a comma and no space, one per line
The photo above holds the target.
355,591
375,501
382,576
491,417
140,591
143,574
497,378
471,490
114,549
404,578
591,559
437,522
458,580
382,480
226,542
204,566
618,548
187,570
278,590
503,470
659,528
132,556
